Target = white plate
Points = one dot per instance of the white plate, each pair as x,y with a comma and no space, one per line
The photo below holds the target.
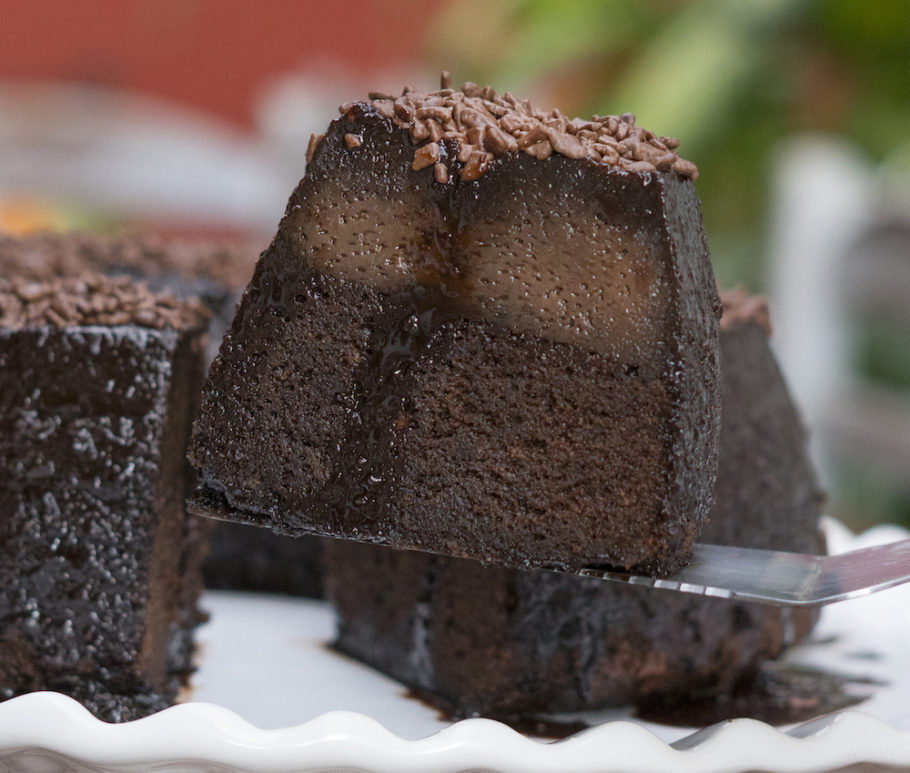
265,665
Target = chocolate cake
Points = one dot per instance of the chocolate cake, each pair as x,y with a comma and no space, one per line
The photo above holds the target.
239,557
99,570
478,639
481,330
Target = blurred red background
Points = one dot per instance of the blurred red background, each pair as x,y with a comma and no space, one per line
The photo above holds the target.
213,55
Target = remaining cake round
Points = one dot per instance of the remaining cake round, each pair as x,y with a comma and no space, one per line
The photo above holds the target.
239,557
99,565
502,642
481,330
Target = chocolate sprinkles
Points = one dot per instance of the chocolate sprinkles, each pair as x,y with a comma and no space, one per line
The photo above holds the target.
94,299
482,125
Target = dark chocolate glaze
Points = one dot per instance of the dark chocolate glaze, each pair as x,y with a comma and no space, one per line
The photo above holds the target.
97,593
375,329
507,643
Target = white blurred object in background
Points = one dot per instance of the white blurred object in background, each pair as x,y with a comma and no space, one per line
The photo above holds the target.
297,104
840,257
135,157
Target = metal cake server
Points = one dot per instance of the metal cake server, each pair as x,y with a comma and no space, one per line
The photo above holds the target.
779,578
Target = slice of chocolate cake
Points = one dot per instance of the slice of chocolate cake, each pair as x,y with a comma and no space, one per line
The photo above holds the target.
237,557
481,330
509,643
99,574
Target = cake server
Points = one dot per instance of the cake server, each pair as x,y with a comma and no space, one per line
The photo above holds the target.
779,578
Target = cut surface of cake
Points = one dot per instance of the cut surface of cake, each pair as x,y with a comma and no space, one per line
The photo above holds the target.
99,570
481,330
508,643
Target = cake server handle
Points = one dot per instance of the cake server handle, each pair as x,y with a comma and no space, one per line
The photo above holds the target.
779,578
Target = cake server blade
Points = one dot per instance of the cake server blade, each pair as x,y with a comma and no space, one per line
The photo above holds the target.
779,578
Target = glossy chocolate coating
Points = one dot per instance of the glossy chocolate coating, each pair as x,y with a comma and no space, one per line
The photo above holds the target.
97,594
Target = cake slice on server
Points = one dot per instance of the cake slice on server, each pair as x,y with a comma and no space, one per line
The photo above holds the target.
482,330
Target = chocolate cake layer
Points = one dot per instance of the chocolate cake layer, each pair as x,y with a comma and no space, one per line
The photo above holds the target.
518,366
508,643
96,585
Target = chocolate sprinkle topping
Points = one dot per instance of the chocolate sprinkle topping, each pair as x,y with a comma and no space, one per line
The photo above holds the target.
43,256
477,124
93,299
